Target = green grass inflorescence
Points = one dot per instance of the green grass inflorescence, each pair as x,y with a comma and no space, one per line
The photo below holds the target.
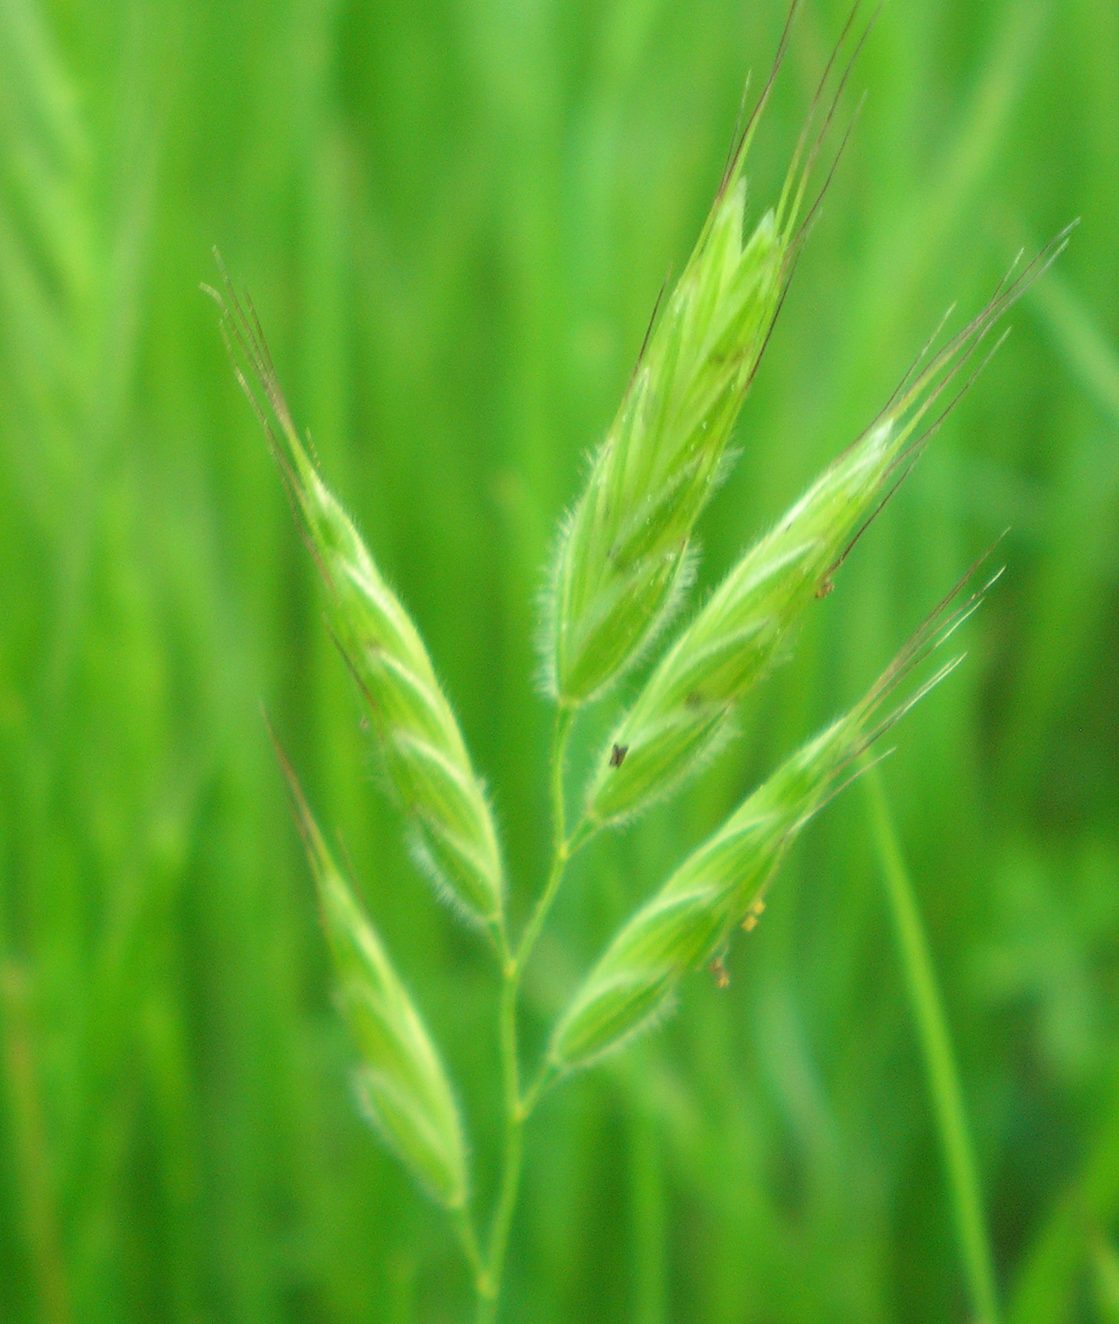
895,1098
622,566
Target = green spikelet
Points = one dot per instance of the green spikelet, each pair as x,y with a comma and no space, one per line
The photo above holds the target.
424,752
401,1082
683,709
688,921
623,552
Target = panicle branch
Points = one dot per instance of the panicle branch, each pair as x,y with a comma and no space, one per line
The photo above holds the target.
454,836
682,713
688,921
401,1082
624,552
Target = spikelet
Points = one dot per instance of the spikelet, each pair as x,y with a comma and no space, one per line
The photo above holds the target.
683,709
401,1083
424,752
623,556
687,922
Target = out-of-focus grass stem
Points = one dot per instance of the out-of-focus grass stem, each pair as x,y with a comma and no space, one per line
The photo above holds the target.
18,1057
945,1092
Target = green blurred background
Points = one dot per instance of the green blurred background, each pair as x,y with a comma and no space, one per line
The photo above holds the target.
454,218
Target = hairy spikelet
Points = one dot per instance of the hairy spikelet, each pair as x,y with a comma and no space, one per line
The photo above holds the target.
688,921
733,641
623,553
401,1082
423,748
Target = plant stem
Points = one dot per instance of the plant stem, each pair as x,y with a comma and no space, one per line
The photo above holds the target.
514,1147
490,1280
468,1239
940,1065
561,851
541,1083
30,1142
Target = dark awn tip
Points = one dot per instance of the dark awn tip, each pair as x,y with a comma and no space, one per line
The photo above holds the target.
743,136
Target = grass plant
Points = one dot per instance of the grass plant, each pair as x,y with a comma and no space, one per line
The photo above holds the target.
895,1099
621,569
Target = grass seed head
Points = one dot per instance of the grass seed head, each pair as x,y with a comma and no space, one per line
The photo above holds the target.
423,748
624,551
689,921
623,557
682,712
401,1083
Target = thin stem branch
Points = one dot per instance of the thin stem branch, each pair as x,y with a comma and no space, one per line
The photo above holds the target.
514,1148
546,1076
561,850
29,1135
516,1109
463,1222
940,1065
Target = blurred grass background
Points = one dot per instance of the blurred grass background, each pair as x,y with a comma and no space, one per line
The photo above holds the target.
454,218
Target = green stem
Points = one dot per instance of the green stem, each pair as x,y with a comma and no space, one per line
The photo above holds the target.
544,1079
940,1065
514,1147
29,1135
468,1240
490,1280
561,850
